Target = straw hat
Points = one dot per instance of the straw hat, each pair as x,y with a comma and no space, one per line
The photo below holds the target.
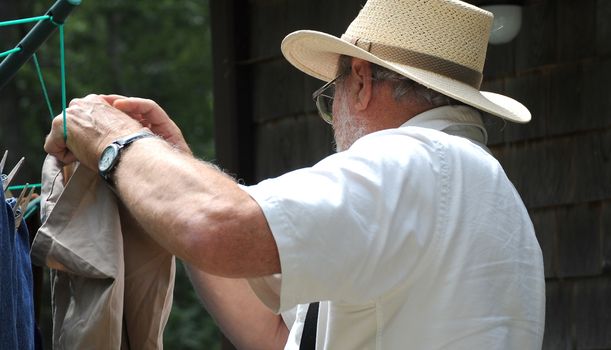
440,44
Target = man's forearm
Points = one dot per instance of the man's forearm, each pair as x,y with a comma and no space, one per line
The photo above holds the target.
177,197
241,316
195,211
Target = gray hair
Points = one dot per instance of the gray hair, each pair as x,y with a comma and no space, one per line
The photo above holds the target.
404,88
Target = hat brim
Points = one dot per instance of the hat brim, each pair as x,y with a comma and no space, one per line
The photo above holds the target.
316,54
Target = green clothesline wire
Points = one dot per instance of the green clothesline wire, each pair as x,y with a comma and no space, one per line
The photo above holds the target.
24,20
62,64
43,85
31,209
20,21
41,79
6,53
23,187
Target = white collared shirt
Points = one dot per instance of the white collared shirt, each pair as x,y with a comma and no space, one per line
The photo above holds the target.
412,239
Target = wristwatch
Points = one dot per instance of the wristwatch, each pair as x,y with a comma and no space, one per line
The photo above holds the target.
110,155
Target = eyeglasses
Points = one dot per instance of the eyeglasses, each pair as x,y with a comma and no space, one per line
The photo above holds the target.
323,98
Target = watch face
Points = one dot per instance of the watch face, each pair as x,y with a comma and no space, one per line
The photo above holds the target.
108,157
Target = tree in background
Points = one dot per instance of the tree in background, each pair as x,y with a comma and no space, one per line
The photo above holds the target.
157,49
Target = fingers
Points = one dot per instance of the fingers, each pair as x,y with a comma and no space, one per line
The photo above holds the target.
146,112
87,99
67,157
112,98
92,125
148,109
55,144
135,105
151,115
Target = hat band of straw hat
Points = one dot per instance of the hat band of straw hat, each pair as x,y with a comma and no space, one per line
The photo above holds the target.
419,60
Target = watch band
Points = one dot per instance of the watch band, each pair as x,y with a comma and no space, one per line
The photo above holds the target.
124,141
106,166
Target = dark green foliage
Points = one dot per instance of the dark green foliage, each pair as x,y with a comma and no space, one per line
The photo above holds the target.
157,49
154,49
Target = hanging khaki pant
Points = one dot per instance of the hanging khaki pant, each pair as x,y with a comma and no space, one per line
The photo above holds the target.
111,283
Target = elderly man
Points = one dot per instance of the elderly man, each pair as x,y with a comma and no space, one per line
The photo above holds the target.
411,236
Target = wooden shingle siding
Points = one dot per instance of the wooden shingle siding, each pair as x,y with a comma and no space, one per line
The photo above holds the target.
284,140
559,332
259,95
591,311
560,170
560,68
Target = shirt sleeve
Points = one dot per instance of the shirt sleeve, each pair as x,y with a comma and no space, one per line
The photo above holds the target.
353,226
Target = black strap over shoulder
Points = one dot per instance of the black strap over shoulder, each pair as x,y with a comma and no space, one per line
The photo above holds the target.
308,337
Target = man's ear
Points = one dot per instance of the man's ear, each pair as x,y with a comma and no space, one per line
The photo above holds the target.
363,83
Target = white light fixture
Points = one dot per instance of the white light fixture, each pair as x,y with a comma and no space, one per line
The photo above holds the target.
507,22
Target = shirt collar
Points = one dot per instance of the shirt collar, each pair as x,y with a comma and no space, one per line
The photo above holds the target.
460,120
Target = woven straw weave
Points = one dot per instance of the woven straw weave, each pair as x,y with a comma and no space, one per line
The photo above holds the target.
460,32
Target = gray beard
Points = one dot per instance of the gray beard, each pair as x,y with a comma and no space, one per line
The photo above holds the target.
346,130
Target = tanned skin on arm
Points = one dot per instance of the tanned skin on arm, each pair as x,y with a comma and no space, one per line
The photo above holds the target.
232,215
240,314
232,218
193,210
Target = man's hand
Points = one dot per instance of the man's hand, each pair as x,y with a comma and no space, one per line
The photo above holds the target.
150,115
92,124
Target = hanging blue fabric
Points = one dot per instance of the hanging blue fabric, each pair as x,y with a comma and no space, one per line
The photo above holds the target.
17,325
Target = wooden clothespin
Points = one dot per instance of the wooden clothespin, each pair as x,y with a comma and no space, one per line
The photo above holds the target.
6,179
26,193
22,204
3,162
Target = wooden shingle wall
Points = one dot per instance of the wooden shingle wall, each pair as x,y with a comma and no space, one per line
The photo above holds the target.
559,67
278,113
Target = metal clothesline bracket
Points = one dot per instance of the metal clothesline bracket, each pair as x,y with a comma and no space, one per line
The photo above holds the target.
35,38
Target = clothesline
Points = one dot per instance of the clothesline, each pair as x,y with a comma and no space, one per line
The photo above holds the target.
34,57
19,322
27,47
38,70
17,56
59,11
23,187
24,20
